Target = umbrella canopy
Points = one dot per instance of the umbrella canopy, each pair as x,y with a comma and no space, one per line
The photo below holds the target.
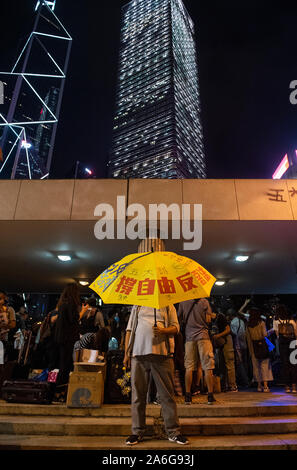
153,279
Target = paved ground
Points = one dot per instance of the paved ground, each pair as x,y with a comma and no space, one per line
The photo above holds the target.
250,397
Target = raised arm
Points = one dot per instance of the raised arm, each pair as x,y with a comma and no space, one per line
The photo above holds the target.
241,310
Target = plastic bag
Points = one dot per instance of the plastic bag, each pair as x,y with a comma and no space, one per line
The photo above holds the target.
41,377
52,376
271,346
113,344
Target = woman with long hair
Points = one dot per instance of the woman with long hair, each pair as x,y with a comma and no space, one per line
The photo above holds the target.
286,332
67,332
256,333
93,319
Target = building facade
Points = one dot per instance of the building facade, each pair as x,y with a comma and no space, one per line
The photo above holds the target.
157,128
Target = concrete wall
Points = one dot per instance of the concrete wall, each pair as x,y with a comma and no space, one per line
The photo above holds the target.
77,199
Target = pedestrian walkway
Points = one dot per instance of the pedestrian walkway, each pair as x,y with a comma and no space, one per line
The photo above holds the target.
249,397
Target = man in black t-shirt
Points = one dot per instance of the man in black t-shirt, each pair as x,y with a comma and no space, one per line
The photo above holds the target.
225,353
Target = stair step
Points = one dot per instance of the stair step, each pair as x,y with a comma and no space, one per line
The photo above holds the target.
59,426
103,426
239,425
115,411
251,442
200,410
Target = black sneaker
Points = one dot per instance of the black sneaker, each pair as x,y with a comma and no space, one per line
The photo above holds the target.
179,439
188,399
210,399
133,439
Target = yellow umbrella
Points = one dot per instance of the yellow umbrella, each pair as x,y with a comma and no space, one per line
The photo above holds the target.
153,279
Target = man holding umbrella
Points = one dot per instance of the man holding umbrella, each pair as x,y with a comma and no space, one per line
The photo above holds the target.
153,282
149,347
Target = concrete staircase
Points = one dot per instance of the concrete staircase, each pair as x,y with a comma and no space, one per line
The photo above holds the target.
236,421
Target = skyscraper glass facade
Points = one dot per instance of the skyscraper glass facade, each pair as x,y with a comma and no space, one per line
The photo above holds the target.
157,130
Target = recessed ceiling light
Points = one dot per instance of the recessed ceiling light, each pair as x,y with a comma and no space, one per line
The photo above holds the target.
64,258
241,258
220,283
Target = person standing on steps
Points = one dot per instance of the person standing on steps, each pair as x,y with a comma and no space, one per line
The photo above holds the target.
256,333
286,330
225,351
67,333
198,347
149,349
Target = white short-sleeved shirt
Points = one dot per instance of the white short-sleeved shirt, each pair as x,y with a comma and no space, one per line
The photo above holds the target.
145,342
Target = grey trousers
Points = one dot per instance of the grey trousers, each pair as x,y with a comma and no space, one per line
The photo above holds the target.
162,371
230,361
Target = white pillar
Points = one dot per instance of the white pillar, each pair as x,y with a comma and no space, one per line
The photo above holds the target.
151,244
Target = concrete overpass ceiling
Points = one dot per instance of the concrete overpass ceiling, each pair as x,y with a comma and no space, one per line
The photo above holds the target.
28,263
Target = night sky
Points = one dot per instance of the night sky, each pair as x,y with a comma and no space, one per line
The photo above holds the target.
247,58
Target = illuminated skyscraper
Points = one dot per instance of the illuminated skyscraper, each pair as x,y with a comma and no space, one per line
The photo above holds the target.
157,129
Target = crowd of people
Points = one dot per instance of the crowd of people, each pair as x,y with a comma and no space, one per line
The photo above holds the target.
201,341
195,347
235,348
51,344
224,346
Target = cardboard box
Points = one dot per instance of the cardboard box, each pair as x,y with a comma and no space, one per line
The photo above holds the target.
90,367
85,390
86,355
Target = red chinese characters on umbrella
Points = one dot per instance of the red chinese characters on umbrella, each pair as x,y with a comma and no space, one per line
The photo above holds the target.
146,287
154,279
201,276
187,282
166,286
126,285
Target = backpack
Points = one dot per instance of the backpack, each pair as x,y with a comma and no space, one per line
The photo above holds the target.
286,330
260,347
217,343
261,350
